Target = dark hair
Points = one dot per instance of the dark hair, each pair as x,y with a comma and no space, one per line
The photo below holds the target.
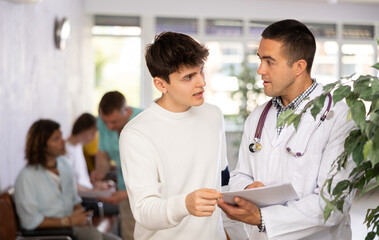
170,51
297,40
112,101
83,122
36,141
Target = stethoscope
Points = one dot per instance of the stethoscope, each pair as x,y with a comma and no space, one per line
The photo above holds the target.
256,145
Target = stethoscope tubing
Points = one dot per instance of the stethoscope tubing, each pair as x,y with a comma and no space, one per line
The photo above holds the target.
262,119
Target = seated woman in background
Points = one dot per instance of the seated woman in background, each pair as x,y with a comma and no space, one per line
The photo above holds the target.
45,191
83,131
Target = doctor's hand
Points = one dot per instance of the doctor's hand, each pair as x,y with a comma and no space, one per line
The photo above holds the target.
256,184
244,211
202,202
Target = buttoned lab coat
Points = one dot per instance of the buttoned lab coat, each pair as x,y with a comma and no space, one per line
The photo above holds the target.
302,219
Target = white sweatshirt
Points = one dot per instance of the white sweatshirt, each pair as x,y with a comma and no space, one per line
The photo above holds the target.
164,157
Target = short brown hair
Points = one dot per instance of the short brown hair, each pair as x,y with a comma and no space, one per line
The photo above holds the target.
83,122
170,51
112,101
297,40
36,141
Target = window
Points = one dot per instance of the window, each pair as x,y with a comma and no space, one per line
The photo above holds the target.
224,27
117,52
358,59
325,65
224,61
183,25
358,32
323,30
256,28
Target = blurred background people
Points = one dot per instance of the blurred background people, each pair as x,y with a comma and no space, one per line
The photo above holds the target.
114,114
83,132
45,191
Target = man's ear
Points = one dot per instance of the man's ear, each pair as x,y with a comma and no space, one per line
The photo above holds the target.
300,67
160,84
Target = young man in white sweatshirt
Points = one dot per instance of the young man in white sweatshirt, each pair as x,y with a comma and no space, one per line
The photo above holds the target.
172,154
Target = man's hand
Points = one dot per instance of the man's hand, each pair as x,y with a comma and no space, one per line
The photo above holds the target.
255,184
96,176
104,185
202,202
79,217
115,198
245,211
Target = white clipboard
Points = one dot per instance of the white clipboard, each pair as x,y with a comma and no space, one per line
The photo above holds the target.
264,196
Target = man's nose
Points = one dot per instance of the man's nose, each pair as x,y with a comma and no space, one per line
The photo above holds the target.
261,70
201,80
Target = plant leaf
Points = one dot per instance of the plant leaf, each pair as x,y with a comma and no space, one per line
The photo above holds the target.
360,183
348,115
284,117
368,188
361,84
366,149
330,86
315,110
370,236
358,112
357,153
340,93
376,66
373,154
341,186
339,204
328,210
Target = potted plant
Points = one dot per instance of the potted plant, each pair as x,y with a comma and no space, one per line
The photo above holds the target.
362,144
248,91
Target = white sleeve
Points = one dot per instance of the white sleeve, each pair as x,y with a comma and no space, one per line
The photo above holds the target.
140,168
302,218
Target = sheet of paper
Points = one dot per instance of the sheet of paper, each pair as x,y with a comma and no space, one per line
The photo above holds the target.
264,196
95,194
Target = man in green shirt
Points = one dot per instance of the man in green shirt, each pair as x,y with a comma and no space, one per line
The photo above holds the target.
114,114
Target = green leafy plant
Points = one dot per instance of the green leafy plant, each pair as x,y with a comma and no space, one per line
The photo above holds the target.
248,91
362,143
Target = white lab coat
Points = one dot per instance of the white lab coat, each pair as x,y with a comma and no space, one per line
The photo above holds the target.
302,219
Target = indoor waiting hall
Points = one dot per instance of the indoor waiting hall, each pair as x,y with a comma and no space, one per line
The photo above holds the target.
248,119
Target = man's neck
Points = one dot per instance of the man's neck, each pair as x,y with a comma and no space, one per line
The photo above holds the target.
296,90
169,106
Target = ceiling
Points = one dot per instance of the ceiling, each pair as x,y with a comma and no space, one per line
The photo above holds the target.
343,1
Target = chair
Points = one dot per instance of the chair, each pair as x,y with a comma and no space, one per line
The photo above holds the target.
10,230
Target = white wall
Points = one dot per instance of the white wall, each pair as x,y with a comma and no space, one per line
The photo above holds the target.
36,79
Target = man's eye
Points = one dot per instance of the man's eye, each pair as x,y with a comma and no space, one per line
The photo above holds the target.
188,77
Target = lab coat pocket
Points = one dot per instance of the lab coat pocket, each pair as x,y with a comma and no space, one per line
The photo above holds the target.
305,171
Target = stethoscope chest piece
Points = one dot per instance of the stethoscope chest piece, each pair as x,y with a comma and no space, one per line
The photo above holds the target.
255,146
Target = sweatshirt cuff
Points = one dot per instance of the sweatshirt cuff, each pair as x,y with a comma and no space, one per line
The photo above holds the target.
177,208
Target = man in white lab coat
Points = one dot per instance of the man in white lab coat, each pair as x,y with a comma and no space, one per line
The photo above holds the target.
286,52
